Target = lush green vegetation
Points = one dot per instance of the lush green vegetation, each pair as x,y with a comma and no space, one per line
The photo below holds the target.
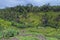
32,20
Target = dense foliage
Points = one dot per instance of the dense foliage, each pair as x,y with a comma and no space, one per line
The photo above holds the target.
30,19
29,15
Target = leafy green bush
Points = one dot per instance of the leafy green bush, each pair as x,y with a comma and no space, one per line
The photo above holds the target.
9,33
1,34
58,36
1,28
18,25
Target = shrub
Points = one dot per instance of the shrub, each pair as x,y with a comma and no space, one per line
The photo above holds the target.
1,34
19,25
9,33
1,28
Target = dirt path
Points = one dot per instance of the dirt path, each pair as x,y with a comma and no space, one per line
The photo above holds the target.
39,36
22,33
